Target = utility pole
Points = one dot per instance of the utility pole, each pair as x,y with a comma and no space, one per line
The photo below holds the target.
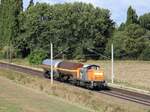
51,63
112,63
10,51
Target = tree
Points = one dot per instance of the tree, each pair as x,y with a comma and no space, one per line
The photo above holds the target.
145,55
117,39
10,9
0,25
31,3
4,22
76,26
132,17
129,43
135,43
16,9
144,21
9,24
121,27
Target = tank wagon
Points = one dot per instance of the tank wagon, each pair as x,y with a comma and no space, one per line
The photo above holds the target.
90,76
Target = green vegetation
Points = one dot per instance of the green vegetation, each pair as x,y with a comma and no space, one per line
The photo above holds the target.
132,17
37,56
9,21
16,98
132,39
146,54
63,24
31,95
129,43
145,21
84,30
31,4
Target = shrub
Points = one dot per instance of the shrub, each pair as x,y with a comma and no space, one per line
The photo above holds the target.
7,50
145,55
37,56
1,55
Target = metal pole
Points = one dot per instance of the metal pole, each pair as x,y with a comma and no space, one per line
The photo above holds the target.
10,55
51,63
112,63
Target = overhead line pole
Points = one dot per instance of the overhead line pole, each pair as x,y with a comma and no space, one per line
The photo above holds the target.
112,63
51,63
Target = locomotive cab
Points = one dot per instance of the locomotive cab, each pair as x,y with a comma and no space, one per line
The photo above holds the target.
93,74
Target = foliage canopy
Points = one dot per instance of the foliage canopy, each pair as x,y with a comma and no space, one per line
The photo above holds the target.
77,30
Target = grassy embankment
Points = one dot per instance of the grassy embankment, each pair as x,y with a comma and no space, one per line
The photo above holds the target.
17,98
37,94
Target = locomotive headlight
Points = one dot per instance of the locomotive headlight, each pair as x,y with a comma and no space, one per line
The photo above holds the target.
99,73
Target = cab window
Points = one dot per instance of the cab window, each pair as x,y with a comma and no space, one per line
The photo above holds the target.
94,67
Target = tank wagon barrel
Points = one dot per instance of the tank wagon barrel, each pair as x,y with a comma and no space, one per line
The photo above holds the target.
80,74
69,66
63,66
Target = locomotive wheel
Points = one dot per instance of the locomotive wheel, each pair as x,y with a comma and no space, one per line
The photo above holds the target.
46,74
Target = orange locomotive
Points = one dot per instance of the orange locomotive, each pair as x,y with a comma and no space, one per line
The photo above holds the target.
90,76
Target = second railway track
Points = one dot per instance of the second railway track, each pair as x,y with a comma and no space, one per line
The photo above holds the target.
115,92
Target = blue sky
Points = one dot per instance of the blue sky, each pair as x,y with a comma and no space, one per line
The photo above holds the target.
118,8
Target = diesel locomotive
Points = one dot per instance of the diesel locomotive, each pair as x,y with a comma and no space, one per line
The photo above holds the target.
86,75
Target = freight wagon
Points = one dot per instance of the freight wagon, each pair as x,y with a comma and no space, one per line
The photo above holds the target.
90,76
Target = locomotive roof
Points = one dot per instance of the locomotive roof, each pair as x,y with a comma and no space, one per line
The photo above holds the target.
89,65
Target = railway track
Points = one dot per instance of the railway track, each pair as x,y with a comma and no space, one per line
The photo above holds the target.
128,95
115,92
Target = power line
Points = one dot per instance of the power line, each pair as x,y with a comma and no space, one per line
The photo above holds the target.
61,52
106,57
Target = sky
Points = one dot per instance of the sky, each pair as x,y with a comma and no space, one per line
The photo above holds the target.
118,8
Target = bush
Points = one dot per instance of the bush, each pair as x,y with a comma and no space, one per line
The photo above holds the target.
1,55
145,55
37,56
6,51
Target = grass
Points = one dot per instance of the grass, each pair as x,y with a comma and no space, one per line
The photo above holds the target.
79,97
16,98
24,62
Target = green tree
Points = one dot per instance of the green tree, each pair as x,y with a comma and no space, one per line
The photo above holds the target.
10,10
145,55
76,26
135,43
31,3
9,24
144,21
132,17
0,25
119,45
122,27
130,43
4,22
